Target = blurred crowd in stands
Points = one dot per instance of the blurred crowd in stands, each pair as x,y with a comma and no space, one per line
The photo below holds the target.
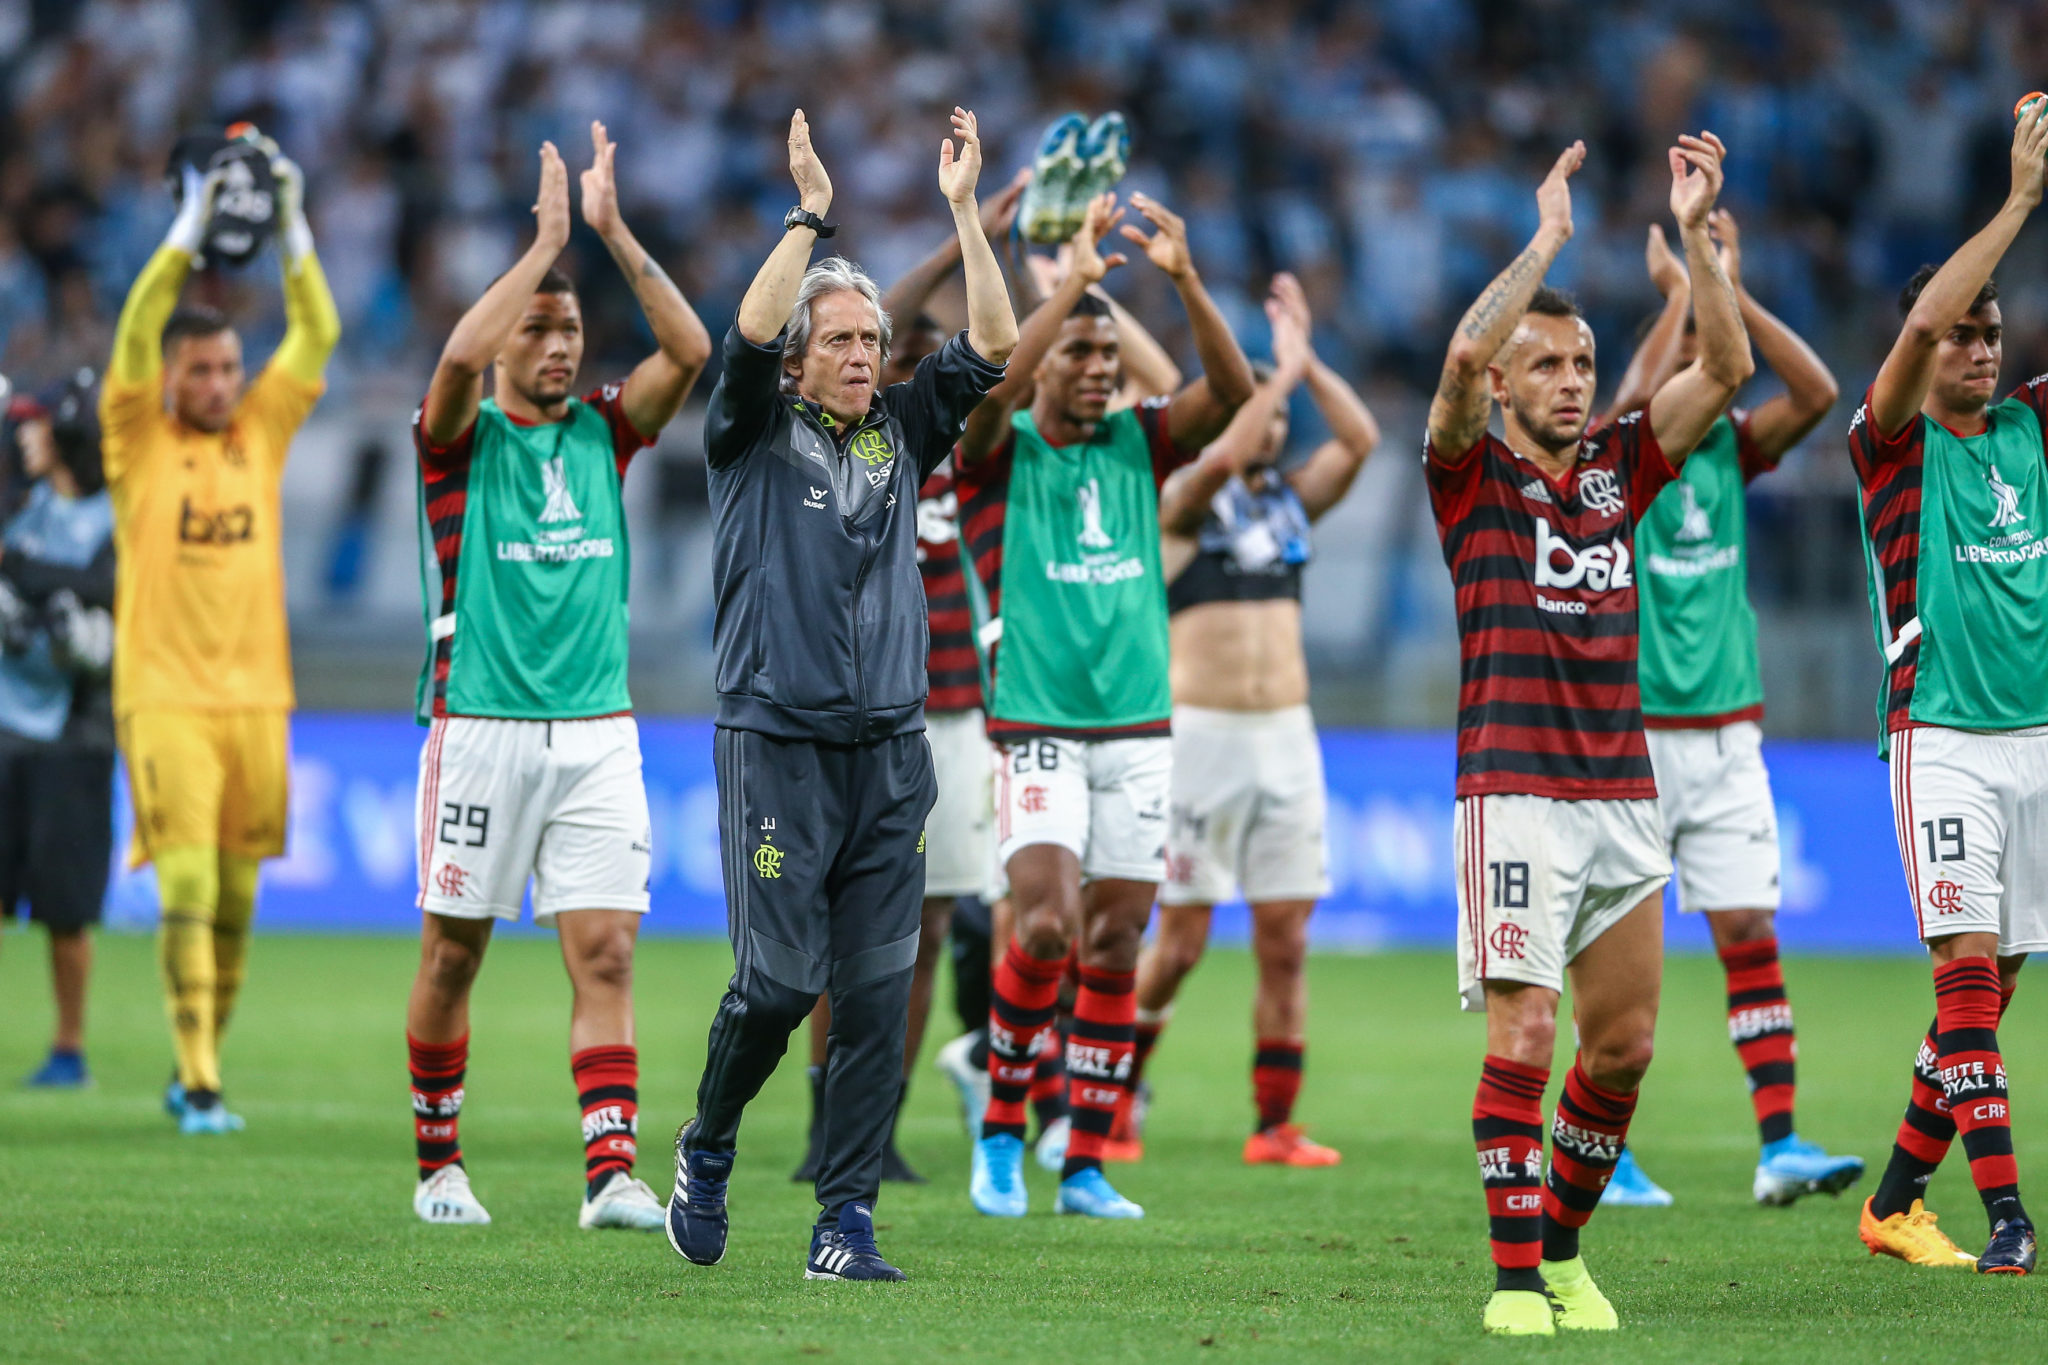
1384,150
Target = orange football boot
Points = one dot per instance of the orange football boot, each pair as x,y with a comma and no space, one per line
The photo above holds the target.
1912,1237
1287,1145
1126,1141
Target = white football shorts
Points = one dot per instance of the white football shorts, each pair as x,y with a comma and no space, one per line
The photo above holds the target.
1104,799
1540,878
561,801
1720,822
1248,808
960,832
1971,812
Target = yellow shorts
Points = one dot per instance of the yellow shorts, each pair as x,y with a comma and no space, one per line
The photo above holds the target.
210,779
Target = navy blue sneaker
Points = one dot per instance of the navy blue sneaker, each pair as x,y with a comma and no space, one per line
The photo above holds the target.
697,1219
63,1071
2011,1251
848,1251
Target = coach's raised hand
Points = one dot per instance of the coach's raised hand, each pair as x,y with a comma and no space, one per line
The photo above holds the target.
991,323
813,186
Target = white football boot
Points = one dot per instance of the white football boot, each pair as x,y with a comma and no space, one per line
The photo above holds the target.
445,1197
623,1202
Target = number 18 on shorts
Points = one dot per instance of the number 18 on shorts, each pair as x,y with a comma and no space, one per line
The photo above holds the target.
1539,879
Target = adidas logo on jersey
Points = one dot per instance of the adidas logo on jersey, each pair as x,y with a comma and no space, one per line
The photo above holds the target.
1536,491
1598,567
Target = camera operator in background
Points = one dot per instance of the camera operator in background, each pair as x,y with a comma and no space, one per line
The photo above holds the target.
56,702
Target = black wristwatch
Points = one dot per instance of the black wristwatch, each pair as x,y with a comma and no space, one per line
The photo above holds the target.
803,217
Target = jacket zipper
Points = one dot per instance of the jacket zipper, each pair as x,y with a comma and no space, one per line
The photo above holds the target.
860,682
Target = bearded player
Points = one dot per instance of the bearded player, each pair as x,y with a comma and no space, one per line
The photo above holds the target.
1703,703
531,766
1955,508
1067,491
1248,799
1560,850
202,658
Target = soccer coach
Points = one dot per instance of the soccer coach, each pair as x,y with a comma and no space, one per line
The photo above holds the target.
824,775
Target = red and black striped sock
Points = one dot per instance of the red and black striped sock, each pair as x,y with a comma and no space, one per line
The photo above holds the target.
1025,993
1924,1133
1923,1138
1966,1008
1151,1023
1587,1133
1276,1079
437,1070
608,1088
1760,1026
1507,1127
1049,1080
1099,1048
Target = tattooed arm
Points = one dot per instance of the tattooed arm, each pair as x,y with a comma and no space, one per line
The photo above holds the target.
1458,413
656,388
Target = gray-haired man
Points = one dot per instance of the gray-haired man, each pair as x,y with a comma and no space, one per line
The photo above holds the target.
824,775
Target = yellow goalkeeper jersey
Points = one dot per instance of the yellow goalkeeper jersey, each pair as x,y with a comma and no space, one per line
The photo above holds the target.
199,607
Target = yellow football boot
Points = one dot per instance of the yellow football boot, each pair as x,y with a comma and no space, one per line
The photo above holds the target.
1912,1237
1581,1307
1519,1313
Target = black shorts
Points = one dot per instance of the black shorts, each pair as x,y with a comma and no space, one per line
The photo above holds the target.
56,832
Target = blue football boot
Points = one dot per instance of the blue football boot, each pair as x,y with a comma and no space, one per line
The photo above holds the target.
1105,156
205,1114
1056,172
2012,1250
174,1097
1629,1188
62,1071
1792,1166
847,1251
997,1185
697,1220
1090,1194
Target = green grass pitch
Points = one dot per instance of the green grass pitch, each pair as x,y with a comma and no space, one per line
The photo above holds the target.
121,1240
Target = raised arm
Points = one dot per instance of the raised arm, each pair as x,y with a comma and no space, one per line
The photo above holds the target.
138,354
1327,476
1458,413
1901,384
765,309
1694,399
1656,358
457,386
1780,422
907,297
1185,497
312,324
656,389
985,425
991,326
1202,409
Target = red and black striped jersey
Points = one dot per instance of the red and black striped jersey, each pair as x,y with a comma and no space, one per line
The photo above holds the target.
1891,472
1546,594
954,666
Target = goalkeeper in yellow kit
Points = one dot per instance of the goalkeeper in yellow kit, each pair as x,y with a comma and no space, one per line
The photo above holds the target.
202,661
